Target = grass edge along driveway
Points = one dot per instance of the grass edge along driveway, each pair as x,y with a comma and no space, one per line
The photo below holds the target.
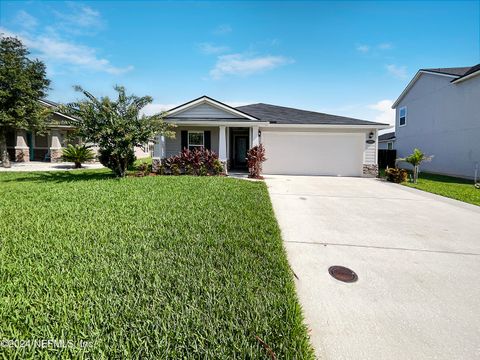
451,187
154,267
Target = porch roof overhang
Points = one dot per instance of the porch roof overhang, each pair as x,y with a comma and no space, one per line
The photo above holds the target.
266,124
216,122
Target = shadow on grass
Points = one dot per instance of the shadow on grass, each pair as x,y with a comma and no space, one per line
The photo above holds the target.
444,179
61,176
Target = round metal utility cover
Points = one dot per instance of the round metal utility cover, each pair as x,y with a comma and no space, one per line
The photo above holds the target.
342,273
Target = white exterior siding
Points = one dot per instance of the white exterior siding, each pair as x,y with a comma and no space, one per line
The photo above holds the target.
205,111
443,119
370,152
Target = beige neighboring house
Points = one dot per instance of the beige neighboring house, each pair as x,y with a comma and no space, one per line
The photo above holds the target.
297,142
26,146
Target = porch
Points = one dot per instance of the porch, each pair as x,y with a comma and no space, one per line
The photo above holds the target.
231,143
24,146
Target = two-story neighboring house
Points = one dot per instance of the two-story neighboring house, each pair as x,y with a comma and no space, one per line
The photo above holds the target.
439,113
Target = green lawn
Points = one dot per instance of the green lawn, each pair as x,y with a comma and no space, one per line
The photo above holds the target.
153,267
455,188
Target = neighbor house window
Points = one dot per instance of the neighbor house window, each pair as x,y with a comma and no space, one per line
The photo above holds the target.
196,140
390,146
402,116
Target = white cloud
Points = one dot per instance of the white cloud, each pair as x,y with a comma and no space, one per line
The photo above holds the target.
25,20
208,48
54,49
385,113
153,108
397,71
222,29
80,16
363,48
385,46
242,65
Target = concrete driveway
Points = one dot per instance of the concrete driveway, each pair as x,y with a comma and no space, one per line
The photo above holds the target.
417,257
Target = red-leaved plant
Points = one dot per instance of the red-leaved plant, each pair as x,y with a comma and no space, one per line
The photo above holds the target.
255,159
200,162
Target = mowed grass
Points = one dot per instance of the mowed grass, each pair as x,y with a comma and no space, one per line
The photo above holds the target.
153,267
455,188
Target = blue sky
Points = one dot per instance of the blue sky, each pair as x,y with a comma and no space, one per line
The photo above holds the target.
346,58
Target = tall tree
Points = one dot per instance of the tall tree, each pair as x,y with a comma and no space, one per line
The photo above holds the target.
22,83
116,126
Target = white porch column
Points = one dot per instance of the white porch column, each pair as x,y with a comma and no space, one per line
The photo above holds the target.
222,143
55,146
159,152
255,139
159,149
22,151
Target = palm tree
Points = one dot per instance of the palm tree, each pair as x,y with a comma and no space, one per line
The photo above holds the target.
415,159
77,154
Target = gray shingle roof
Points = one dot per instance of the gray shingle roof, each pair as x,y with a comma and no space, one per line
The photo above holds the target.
387,136
286,115
457,71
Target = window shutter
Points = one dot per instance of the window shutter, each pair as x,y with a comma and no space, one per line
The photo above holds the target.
207,140
184,138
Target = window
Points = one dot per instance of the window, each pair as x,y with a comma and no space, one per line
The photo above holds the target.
402,116
390,145
195,139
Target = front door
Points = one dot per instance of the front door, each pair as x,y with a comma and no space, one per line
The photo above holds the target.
240,151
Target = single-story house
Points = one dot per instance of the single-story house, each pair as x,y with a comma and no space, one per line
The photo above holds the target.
24,146
439,113
386,141
297,142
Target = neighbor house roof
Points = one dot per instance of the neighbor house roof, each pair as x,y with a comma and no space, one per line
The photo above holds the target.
285,115
457,74
62,117
458,71
387,136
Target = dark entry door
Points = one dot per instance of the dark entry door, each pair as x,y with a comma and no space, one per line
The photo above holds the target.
241,146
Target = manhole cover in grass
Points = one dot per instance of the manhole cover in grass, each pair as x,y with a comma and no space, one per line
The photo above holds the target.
342,273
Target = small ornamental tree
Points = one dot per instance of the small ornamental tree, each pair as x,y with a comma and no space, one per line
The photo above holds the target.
416,159
116,126
22,83
255,159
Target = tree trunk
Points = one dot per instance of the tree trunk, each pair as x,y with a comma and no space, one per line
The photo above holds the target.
78,165
4,157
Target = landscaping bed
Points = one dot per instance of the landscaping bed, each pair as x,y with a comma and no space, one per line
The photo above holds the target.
151,267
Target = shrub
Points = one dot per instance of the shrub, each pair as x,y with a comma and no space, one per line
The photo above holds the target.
77,154
198,162
396,175
143,169
255,159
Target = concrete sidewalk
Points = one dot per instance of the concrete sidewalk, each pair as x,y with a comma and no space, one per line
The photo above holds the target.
417,257
47,166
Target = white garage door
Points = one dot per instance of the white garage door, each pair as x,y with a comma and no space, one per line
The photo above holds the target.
313,153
